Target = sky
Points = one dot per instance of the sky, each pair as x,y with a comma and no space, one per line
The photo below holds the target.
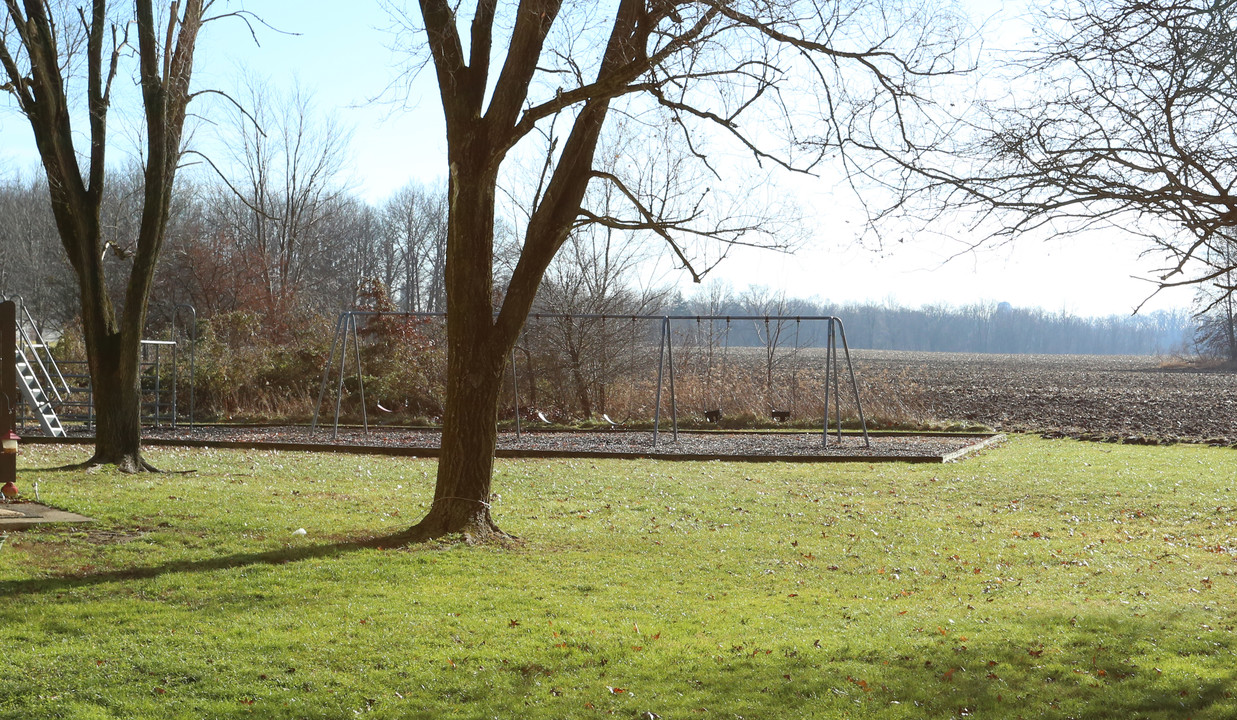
344,59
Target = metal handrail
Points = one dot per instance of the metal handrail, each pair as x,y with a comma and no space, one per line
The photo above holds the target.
26,343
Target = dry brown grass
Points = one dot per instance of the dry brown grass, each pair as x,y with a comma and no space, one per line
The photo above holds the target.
740,386
745,384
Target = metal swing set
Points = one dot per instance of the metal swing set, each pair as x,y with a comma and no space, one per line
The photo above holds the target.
837,352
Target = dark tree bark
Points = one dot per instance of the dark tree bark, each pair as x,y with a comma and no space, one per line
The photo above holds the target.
33,50
655,50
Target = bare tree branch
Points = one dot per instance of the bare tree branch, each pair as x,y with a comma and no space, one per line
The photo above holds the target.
1134,132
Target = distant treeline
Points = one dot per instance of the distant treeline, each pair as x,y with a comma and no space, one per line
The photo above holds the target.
978,328
1004,329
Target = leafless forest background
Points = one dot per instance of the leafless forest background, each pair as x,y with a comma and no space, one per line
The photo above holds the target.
268,274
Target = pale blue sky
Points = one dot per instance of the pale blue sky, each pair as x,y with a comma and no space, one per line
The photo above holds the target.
342,56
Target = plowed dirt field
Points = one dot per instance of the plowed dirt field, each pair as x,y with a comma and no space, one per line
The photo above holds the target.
1131,398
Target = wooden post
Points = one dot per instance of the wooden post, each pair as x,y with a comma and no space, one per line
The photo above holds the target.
8,385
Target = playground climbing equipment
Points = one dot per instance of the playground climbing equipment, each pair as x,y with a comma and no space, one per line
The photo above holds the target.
55,394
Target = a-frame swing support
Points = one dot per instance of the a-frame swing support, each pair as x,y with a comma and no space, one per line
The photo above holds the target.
836,332
345,330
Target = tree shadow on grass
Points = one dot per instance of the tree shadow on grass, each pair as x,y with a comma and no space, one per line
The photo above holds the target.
281,556
995,680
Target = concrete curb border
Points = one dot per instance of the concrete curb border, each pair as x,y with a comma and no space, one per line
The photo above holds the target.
966,452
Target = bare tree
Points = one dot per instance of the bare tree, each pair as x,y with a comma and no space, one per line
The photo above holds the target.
1216,329
772,329
600,270
203,263
31,263
1215,317
713,298
512,72
40,53
1131,127
352,231
282,187
596,273
414,222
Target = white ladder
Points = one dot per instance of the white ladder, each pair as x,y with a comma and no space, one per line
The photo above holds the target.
33,373
32,390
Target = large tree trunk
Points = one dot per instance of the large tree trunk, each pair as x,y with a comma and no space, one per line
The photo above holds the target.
479,135
114,360
476,358
469,435
118,432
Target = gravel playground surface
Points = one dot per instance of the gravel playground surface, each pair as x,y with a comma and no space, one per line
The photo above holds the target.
689,446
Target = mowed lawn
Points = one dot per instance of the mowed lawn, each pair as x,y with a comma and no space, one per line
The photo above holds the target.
1042,579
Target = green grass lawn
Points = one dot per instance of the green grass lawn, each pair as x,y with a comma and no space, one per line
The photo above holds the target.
1043,579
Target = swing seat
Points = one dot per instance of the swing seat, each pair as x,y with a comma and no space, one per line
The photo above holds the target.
780,415
713,416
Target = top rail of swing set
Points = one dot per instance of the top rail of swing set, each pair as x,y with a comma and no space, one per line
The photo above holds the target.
607,316
345,325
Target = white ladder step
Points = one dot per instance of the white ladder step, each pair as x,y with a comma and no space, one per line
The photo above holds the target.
32,391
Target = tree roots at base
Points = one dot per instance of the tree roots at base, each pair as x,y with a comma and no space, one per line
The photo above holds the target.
129,465
477,528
